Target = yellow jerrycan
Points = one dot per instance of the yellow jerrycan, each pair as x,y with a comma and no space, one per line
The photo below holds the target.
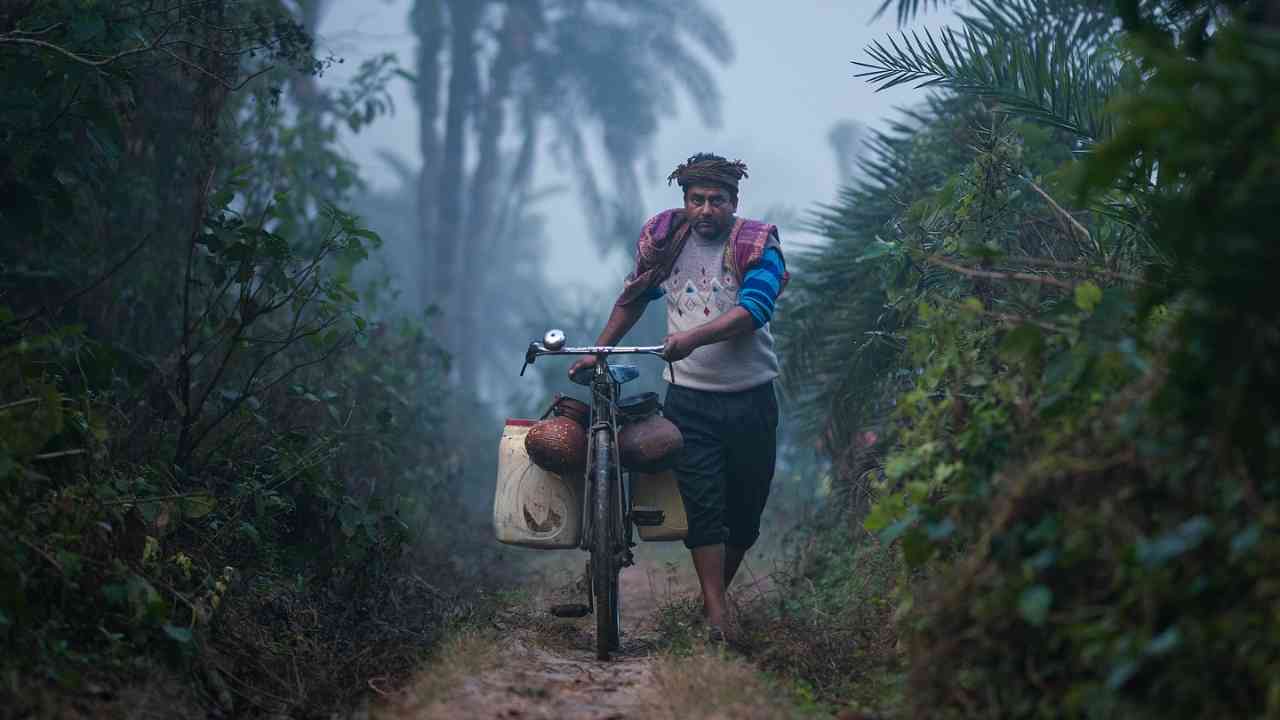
531,506
661,491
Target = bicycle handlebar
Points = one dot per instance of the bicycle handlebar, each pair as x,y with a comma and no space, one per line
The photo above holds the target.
538,349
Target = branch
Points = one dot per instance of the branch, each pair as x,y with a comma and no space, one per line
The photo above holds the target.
87,288
158,498
59,454
1073,267
1059,209
18,403
214,76
9,39
1020,320
994,275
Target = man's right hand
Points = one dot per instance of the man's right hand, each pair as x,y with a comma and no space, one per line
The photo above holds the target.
586,361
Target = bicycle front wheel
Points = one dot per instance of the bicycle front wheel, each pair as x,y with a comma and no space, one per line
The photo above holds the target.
604,565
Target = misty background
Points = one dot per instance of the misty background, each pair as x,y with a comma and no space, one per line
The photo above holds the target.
786,93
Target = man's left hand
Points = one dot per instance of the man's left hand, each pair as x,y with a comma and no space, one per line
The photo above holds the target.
678,346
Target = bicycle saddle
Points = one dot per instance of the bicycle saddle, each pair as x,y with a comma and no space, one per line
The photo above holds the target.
624,373
620,374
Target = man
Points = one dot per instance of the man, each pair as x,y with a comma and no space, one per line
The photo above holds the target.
720,276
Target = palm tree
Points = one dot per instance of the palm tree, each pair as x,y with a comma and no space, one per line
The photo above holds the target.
495,78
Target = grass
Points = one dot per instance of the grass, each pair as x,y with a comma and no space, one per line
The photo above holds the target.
462,656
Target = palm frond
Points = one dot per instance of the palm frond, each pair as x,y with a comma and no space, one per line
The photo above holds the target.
1046,60
908,9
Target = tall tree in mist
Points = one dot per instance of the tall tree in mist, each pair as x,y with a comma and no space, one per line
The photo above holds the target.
494,79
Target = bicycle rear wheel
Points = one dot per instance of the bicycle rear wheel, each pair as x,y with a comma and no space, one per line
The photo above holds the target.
604,565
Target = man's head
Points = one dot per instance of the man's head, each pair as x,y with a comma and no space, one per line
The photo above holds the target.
710,185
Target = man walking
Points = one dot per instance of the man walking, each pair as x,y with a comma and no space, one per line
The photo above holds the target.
720,276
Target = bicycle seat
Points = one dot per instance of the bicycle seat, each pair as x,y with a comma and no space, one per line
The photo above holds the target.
624,373
620,374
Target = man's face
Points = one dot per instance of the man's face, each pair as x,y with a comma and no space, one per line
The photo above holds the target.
710,209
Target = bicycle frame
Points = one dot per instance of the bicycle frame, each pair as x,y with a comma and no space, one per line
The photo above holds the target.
604,416
605,501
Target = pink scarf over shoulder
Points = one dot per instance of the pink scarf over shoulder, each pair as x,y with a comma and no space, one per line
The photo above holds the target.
663,237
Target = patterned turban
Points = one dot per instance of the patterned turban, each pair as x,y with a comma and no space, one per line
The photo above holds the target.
707,168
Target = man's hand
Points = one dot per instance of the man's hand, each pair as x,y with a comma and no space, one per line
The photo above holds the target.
586,361
678,346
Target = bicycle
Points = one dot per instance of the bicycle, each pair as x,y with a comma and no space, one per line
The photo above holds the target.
607,508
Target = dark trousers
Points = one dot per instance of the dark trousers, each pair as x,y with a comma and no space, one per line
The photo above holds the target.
726,468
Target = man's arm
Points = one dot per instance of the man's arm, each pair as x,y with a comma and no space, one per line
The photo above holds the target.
759,292
737,321
621,319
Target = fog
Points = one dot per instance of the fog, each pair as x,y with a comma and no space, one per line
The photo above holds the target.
791,80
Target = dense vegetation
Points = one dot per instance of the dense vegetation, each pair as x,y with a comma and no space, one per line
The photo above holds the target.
239,433
216,442
1041,349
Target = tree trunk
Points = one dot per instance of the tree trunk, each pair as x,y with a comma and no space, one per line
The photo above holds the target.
482,215
210,97
448,234
428,20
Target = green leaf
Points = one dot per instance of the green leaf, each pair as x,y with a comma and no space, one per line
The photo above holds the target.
198,506
1182,539
1034,604
249,531
1243,541
1165,641
1088,295
1024,342
916,548
877,249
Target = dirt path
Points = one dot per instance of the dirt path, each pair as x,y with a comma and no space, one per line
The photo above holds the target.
547,668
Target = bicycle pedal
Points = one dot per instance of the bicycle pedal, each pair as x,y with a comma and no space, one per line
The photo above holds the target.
645,516
571,610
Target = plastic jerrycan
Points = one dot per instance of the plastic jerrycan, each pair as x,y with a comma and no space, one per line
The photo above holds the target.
661,490
532,507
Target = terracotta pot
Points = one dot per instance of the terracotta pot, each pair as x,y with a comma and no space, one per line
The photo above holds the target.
638,407
573,409
650,444
558,444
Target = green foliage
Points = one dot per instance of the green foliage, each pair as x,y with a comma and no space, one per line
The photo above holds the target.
208,436
1077,440
1049,60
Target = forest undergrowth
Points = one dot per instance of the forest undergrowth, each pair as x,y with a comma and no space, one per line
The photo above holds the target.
228,473
1040,350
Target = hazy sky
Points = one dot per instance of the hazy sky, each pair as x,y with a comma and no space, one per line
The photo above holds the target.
790,81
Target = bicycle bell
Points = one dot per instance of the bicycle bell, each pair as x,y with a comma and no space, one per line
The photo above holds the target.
553,340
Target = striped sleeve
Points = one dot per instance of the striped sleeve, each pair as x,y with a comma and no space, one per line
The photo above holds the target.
761,285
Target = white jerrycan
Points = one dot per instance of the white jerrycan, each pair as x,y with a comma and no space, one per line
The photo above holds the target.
532,507
661,491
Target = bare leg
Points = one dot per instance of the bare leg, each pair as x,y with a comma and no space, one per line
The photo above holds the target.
733,556
708,561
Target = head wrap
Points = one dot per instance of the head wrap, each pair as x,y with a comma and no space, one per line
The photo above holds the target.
708,168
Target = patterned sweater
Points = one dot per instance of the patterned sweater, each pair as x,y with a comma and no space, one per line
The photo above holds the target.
702,286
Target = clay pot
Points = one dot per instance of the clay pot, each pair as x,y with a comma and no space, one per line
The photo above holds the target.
573,409
638,407
558,444
649,445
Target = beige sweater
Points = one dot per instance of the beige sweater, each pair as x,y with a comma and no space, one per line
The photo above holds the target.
702,287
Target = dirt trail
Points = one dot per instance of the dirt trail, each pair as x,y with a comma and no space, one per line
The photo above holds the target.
550,670
546,668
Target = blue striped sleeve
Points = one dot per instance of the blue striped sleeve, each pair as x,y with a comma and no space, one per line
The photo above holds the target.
760,287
